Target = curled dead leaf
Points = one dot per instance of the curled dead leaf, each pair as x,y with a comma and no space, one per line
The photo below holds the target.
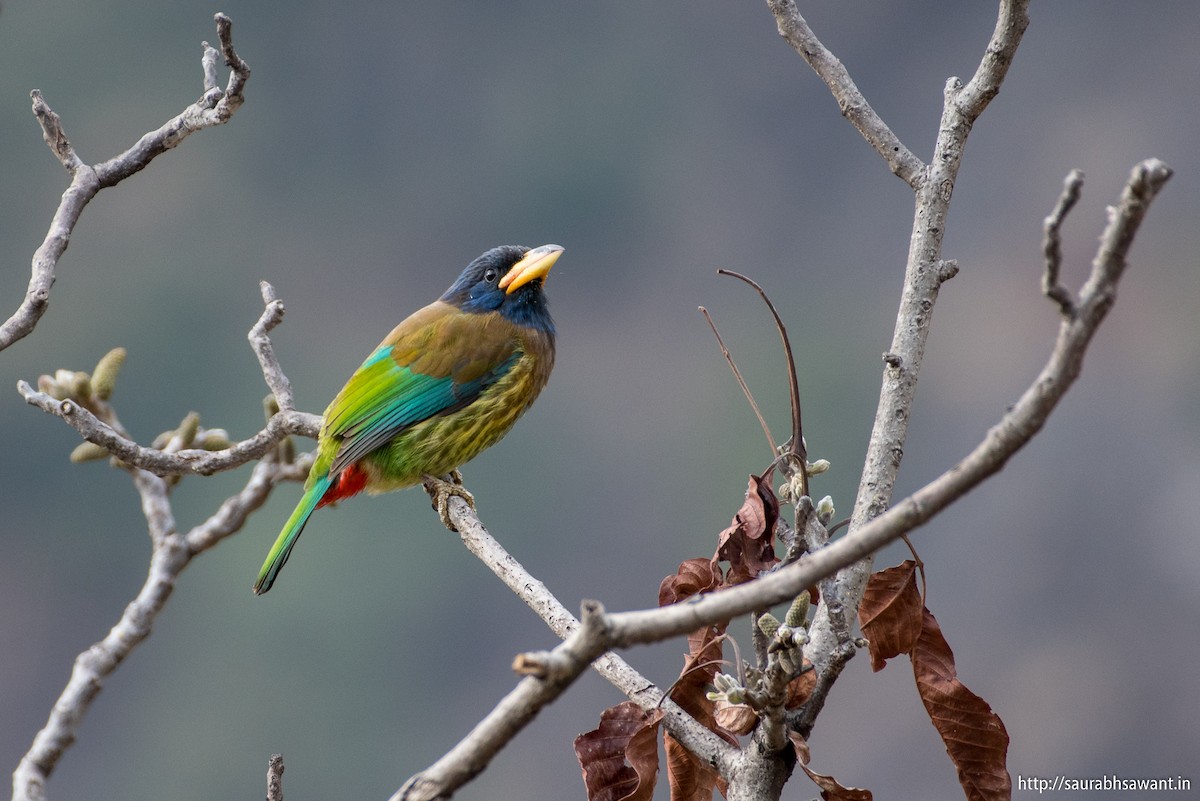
894,618
800,688
619,758
737,718
890,614
974,735
832,790
693,577
748,543
690,778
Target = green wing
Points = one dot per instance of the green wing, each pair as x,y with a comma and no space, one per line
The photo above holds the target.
435,362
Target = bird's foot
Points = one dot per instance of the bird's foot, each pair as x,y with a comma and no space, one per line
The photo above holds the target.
441,488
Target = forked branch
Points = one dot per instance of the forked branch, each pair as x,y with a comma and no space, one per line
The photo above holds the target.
617,630
172,552
853,105
165,462
215,107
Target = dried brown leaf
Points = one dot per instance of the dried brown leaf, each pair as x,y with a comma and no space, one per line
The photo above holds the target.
737,718
692,578
891,613
800,745
619,758
974,735
748,543
692,779
700,666
749,548
689,778
832,790
800,688
642,754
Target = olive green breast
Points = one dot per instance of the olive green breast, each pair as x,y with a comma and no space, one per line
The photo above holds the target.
446,441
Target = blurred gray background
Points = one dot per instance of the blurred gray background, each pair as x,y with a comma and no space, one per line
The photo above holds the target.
381,147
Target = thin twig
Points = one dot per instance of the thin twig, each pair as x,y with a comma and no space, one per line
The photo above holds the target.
275,778
52,132
559,619
171,554
239,69
737,374
804,718
796,446
272,316
471,755
1052,244
189,461
169,461
214,108
464,761
854,107
1011,22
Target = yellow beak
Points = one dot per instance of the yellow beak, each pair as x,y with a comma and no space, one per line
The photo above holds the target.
534,264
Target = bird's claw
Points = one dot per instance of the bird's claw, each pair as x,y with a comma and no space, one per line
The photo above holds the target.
441,488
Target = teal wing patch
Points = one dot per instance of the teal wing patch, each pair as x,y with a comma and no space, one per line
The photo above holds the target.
383,398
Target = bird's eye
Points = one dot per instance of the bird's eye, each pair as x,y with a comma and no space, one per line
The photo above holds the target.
490,275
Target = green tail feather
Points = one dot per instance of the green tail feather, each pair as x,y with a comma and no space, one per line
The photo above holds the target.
282,548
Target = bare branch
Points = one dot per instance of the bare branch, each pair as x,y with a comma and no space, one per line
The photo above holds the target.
1052,244
584,644
1011,23
1098,293
854,107
796,446
472,754
737,374
213,108
172,552
802,719
560,620
231,516
53,133
925,271
272,316
174,461
275,778
239,69
83,188
625,629
164,463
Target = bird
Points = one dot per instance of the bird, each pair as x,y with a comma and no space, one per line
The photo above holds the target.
446,383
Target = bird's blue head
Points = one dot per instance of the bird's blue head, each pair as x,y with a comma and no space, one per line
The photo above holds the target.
508,280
